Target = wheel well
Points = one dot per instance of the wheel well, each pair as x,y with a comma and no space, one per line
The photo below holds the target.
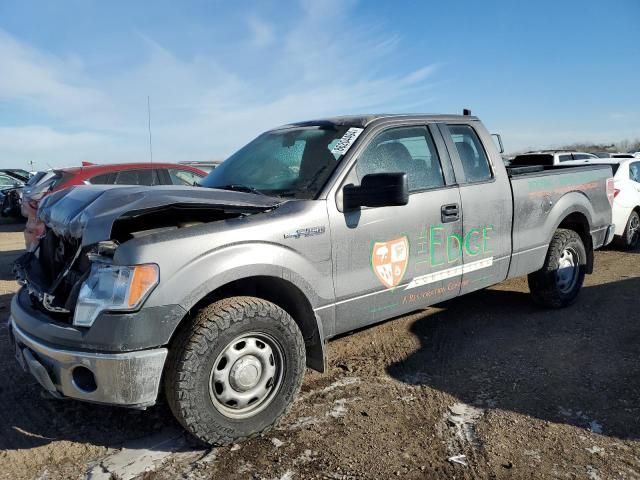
578,223
288,297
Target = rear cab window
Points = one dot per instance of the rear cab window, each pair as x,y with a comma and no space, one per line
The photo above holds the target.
473,158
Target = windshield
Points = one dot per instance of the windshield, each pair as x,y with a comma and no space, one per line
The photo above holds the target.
7,180
293,162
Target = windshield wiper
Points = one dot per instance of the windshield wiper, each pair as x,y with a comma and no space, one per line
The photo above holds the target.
237,187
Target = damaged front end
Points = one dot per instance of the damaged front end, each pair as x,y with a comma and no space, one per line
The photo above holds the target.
71,276
53,274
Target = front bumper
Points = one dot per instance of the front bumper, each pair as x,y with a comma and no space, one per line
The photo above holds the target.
129,379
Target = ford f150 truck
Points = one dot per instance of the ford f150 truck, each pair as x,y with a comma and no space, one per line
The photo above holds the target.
219,295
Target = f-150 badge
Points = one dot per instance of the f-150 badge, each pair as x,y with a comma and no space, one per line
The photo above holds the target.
389,260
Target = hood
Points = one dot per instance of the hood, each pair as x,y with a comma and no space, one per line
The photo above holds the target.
89,212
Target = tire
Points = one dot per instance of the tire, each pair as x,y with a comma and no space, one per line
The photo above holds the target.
227,354
552,286
630,239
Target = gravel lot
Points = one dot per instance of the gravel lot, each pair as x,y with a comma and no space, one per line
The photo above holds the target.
484,386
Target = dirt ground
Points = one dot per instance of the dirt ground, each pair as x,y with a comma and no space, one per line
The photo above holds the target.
484,386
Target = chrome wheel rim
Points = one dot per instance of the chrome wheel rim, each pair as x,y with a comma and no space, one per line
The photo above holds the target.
568,270
634,230
246,375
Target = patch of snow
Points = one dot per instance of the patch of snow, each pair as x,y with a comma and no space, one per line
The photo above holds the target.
245,467
533,454
595,427
306,457
339,409
343,382
407,398
459,459
208,458
140,456
592,473
464,417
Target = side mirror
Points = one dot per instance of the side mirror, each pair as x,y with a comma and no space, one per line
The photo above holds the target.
377,190
498,141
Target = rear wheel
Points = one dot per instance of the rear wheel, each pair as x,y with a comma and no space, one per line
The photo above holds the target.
631,237
559,281
235,371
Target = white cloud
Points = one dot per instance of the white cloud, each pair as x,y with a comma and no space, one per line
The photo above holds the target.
47,148
261,32
204,106
43,82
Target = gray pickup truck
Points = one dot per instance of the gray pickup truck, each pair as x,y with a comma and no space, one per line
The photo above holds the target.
220,294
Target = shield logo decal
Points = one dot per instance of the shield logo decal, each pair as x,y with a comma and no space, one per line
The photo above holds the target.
389,260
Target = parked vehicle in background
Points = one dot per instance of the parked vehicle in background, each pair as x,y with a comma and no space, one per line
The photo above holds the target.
636,154
17,173
8,179
11,184
614,155
204,166
147,174
37,186
626,203
222,294
549,158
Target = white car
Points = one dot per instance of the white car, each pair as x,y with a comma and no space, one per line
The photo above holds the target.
626,203
551,157
614,155
626,197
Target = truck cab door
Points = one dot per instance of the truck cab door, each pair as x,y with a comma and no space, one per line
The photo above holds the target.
486,203
391,260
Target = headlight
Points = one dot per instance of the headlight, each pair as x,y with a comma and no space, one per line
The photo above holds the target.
113,287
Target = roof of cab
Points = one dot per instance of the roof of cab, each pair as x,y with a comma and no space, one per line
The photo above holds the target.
364,121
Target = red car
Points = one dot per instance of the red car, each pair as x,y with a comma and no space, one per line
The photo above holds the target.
115,174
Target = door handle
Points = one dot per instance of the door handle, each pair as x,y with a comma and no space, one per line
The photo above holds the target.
450,213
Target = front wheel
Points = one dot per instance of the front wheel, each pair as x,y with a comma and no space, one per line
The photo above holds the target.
235,370
560,279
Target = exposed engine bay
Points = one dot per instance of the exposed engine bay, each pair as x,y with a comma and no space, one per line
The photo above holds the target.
75,238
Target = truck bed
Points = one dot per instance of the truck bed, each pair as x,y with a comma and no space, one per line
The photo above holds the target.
543,196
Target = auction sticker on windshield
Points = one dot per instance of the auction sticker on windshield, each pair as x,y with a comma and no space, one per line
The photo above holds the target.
347,140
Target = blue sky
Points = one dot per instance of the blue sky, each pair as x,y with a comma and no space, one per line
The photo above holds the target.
75,75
